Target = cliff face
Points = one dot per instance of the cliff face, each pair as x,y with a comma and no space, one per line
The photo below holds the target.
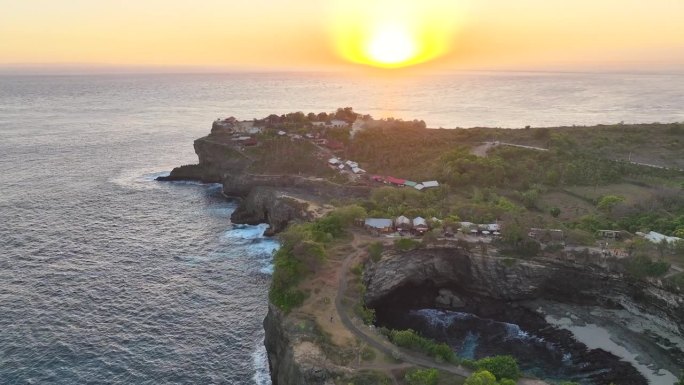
478,276
264,197
217,157
265,205
292,358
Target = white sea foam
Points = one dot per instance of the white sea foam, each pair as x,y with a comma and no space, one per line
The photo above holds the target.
440,318
246,232
262,375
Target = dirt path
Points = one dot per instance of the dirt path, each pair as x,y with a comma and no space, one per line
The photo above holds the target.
371,339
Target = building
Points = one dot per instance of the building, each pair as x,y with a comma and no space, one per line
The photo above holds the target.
336,123
395,181
357,170
378,225
658,238
610,234
333,161
410,183
402,223
430,184
547,235
420,225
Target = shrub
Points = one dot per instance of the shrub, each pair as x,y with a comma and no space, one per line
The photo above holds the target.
555,212
368,354
422,377
500,366
367,315
642,267
412,340
482,377
405,244
375,251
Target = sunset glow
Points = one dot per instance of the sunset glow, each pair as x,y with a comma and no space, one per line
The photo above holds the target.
391,46
298,34
388,34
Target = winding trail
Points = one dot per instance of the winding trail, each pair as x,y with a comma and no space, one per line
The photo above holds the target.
371,339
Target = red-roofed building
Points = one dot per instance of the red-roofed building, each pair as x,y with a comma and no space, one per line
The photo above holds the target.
396,181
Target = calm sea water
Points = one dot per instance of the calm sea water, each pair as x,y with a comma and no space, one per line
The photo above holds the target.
107,276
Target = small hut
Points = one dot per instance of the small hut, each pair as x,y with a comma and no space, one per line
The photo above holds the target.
402,223
420,225
378,225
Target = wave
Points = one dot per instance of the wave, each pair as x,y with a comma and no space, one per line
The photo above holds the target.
262,375
251,237
246,231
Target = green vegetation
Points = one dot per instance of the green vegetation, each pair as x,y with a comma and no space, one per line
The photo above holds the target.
608,202
303,251
502,367
367,377
375,251
422,377
411,340
406,244
642,267
481,378
282,156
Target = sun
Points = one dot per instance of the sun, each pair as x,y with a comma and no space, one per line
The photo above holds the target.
391,46
394,34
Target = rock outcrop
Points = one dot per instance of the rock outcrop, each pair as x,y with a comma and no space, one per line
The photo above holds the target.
509,290
265,205
483,276
263,198
217,157
292,358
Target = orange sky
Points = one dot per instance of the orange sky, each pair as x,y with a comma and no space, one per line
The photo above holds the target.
308,34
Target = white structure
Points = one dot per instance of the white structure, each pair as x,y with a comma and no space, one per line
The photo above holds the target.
658,238
430,184
357,170
492,227
336,123
333,161
281,133
402,221
419,187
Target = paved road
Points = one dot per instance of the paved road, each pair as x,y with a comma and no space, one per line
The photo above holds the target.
385,347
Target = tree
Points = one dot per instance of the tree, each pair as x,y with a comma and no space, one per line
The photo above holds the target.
607,202
500,366
482,377
555,212
422,377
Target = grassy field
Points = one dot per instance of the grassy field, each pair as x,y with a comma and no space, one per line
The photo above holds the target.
632,193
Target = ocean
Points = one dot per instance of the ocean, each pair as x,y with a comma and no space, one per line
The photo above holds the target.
109,277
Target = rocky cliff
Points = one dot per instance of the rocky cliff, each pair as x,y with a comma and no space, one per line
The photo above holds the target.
217,158
263,198
477,276
513,292
292,357
266,205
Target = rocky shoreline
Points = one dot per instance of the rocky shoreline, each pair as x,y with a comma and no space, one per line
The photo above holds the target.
501,290
262,198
